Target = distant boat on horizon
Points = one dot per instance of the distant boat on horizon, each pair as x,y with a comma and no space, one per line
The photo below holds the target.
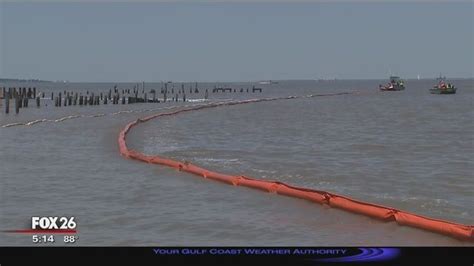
443,87
395,84
267,82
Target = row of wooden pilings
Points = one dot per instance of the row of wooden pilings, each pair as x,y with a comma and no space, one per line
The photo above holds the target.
21,96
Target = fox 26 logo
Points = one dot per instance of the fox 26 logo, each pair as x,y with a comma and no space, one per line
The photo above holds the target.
53,222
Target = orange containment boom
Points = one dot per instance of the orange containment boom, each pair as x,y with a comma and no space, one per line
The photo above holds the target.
459,231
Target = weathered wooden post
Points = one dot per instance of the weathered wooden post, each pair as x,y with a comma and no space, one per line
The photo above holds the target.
34,92
59,100
184,97
17,104
52,94
38,101
206,94
7,103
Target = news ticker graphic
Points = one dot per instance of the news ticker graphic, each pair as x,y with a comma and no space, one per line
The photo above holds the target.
47,229
245,255
316,254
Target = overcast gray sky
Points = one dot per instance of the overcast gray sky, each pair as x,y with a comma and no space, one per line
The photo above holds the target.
234,42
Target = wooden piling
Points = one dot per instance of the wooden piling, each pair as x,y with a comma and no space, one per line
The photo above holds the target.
38,101
7,103
17,104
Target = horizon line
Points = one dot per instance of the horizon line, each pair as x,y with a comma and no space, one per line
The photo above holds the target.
218,81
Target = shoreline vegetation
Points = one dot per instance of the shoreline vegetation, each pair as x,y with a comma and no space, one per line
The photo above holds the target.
24,80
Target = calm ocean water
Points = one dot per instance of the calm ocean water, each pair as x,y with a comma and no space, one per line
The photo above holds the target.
410,150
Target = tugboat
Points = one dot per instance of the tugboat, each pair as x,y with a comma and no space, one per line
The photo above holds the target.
395,84
442,87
